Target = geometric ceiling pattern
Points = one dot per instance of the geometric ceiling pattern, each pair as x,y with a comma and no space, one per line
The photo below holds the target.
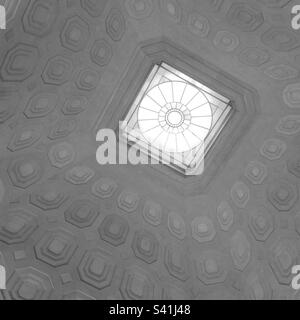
72,229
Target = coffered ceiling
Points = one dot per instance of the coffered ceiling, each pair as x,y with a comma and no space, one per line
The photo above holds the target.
71,228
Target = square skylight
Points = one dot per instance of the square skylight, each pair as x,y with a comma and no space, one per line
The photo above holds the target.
176,116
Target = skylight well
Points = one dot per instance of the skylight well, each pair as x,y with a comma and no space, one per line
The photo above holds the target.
178,116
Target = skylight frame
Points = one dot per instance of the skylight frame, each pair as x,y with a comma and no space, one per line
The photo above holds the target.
221,104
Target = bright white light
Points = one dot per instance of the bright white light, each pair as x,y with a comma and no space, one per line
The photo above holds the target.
174,116
177,115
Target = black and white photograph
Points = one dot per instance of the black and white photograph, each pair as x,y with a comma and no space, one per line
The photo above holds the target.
149,150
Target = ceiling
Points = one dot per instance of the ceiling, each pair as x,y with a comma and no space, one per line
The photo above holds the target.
71,229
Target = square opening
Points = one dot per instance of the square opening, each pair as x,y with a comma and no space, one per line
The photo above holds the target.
175,119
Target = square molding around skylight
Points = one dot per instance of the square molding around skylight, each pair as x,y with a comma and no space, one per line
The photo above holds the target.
231,109
178,116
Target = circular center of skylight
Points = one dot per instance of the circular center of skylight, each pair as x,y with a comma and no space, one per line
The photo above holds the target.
175,116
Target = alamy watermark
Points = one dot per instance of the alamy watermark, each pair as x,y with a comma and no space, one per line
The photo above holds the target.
130,147
296,17
296,278
2,278
2,18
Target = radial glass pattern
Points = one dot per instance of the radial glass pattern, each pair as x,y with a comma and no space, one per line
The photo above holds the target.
177,115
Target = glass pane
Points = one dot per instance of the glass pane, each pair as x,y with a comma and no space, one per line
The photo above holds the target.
176,113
